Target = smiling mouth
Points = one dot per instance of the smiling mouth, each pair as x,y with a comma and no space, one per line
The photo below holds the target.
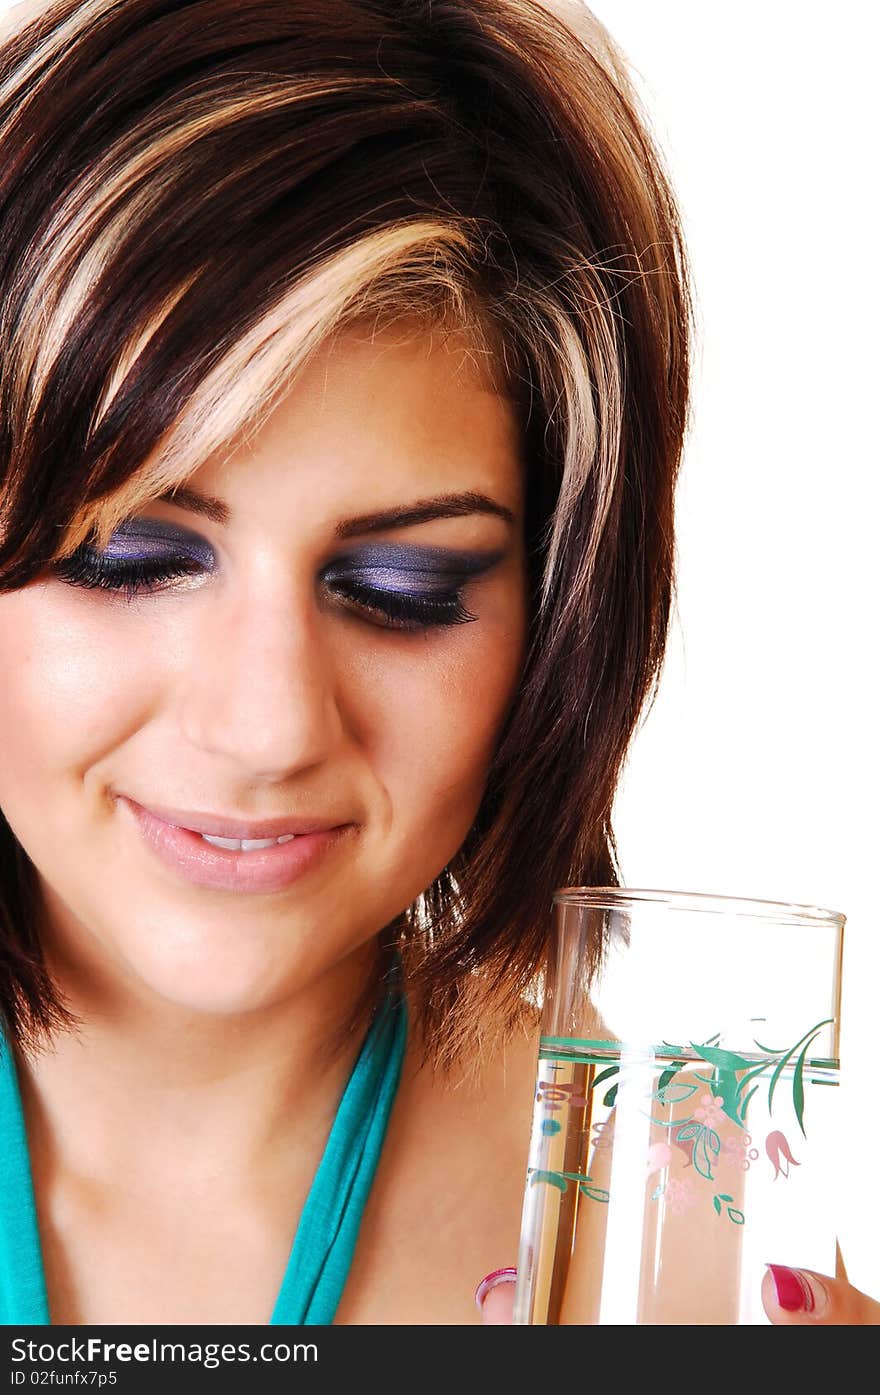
244,865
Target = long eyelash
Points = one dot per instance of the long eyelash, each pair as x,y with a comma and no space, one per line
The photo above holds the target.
140,577
409,612
133,577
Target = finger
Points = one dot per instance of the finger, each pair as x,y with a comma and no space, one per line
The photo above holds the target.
494,1296
793,1296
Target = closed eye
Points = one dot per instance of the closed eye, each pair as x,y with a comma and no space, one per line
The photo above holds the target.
401,612
416,609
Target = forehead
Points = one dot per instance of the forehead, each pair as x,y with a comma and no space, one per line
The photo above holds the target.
402,408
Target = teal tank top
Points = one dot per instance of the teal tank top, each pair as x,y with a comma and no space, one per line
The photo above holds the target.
323,1246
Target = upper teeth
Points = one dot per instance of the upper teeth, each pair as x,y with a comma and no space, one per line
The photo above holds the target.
247,844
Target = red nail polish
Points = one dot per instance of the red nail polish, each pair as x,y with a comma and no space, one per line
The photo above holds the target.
793,1292
498,1276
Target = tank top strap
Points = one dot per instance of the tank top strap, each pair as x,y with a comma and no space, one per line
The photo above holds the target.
23,1297
323,1247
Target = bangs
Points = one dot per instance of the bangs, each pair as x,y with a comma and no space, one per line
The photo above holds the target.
413,272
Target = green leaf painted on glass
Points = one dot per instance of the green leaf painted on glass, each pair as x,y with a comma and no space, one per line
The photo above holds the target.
610,1097
722,1196
554,1178
713,1142
752,1075
745,1104
668,1123
674,1094
716,1056
774,1051
666,1077
687,1132
736,1216
669,1074
702,1161
594,1193
604,1075
805,1041
723,1082
776,1076
797,1087
717,1204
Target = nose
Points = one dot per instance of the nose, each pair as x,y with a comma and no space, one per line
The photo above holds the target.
261,683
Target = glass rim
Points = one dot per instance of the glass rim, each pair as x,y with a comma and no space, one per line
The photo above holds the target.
613,897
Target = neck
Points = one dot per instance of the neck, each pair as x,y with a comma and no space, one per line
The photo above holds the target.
148,1091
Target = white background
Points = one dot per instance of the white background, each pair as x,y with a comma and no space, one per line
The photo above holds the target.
756,772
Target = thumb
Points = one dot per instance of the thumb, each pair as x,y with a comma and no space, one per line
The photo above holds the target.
494,1296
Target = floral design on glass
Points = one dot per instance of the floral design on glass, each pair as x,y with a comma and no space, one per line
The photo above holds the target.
713,1100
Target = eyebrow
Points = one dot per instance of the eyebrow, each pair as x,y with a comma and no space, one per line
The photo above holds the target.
422,511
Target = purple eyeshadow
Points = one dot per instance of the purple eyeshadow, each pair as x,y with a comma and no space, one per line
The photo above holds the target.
411,570
149,540
413,588
389,567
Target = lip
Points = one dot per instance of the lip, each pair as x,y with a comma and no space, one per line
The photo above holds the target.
261,871
220,826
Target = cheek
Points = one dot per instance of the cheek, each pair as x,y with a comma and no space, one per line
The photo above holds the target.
443,709
69,694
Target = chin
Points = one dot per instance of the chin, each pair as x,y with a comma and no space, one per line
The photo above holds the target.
210,998
214,999
215,983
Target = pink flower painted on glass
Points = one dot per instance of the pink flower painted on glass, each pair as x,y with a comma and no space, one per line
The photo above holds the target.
710,1110
659,1156
603,1131
679,1195
738,1153
777,1145
556,1094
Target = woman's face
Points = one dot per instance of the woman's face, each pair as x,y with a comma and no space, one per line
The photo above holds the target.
269,684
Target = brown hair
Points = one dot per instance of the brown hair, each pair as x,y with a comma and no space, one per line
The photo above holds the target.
193,196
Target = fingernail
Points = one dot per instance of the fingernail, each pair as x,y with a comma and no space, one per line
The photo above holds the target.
498,1276
794,1292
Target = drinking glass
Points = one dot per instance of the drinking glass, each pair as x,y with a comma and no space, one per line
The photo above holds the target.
684,1120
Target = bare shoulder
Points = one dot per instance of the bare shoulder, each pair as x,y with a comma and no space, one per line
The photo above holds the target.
446,1203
